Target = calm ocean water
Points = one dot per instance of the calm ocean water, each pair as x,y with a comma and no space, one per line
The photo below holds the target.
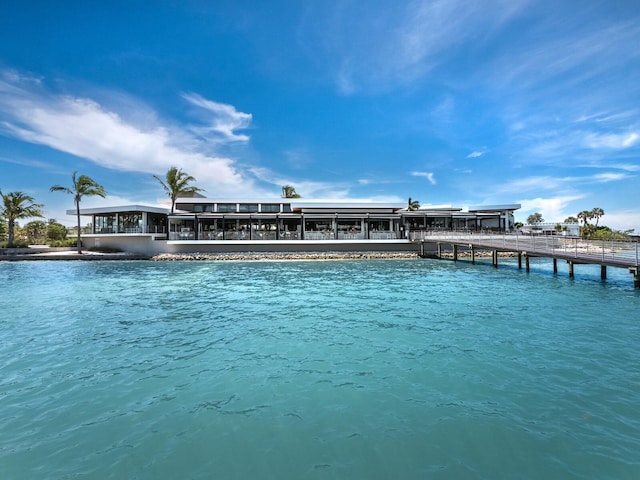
403,369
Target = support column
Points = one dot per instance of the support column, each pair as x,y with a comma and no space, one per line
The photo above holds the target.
555,265
439,250
495,258
527,262
570,269
473,254
455,253
603,272
636,276
519,260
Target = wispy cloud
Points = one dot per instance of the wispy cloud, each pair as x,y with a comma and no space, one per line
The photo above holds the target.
609,177
223,119
298,157
551,183
475,154
612,141
428,175
306,188
400,45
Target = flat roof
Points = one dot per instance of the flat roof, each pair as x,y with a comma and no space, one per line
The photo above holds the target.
120,209
494,208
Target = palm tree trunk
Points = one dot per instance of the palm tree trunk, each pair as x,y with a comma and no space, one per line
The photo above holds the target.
10,233
79,245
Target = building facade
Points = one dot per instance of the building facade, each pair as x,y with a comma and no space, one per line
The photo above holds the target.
203,224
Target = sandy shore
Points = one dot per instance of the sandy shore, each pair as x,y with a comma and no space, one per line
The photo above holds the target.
71,255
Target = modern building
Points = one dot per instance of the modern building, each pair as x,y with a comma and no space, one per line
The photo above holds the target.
201,224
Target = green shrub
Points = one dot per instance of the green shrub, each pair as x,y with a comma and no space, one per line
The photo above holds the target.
16,244
69,242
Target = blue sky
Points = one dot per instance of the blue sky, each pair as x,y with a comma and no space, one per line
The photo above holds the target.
455,102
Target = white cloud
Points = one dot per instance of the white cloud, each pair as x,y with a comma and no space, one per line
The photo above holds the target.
475,154
622,220
87,129
428,175
553,209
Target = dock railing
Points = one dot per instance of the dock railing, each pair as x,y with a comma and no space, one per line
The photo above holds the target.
605,251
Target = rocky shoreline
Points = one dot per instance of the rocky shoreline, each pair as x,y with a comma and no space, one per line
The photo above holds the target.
247,256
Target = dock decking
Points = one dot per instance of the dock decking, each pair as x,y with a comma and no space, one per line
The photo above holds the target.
574,251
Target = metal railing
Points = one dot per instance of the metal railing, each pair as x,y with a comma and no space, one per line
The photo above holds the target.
129,230
605,251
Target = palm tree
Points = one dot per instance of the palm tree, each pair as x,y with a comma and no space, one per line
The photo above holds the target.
597,213
413,205
176,184
17,205
585,216
82,186
289,191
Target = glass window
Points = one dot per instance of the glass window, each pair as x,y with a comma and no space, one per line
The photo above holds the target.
248,208
270,207
105,223
226,207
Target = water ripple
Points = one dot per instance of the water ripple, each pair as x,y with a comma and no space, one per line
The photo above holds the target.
381,369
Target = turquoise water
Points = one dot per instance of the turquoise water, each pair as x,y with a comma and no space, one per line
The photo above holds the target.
403,369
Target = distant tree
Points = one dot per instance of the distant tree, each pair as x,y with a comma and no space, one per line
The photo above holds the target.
557,227
605,233
35,231
82,186
518,225
597,213
56,231
288,191
535,218
571,220
16,205
413,205
176,184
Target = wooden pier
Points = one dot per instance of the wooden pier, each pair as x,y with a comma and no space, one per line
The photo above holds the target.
574,251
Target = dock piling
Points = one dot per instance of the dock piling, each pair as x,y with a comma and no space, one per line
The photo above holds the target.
622,255
571,275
